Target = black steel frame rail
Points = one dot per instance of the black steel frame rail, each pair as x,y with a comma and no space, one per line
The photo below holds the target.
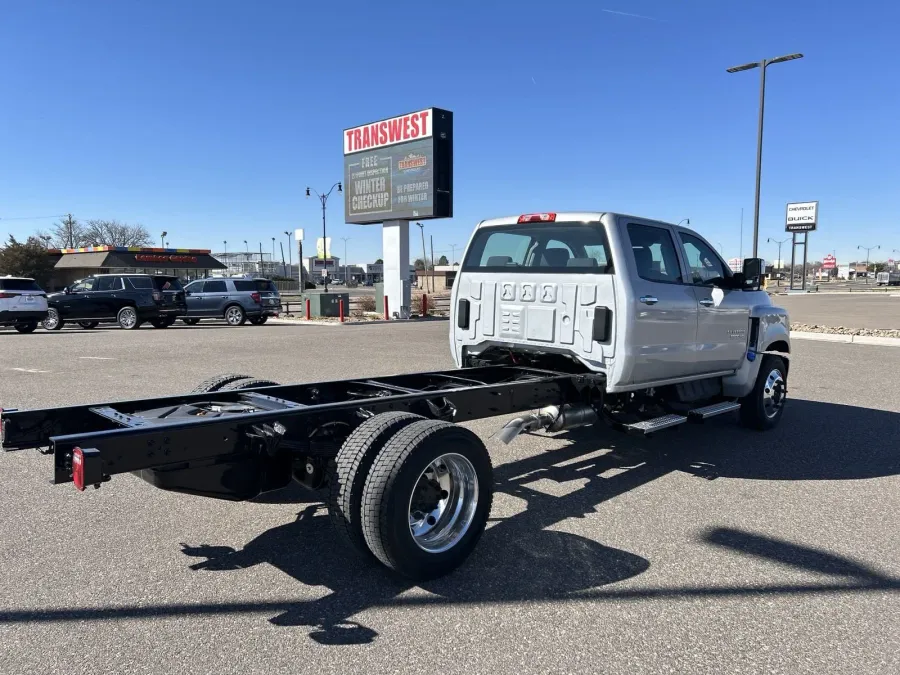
128,441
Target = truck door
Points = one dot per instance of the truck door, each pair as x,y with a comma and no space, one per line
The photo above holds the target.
663,335
214,297
723,318
539,284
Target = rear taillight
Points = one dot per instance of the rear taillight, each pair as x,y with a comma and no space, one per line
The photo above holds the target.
4,296
86,467
537,218
256,298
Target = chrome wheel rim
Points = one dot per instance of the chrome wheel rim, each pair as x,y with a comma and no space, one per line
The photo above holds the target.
233,316
127,318
443,503
52,319
773,394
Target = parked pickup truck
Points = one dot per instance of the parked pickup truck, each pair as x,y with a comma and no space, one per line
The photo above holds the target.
564,319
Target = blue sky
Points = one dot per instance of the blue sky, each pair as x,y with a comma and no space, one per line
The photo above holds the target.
209,118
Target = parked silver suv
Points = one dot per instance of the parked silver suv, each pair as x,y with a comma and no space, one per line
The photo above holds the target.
236,300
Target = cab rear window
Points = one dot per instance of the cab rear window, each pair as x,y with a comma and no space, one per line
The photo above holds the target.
560,248
18,285
255,285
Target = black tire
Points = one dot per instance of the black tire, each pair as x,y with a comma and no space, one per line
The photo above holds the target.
235,315
161,323
217,382
53,321
258,320
27,326
127,318
389,490
247,384
191,322
352,465
87,325
763,407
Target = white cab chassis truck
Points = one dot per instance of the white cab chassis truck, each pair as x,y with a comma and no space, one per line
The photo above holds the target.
567,320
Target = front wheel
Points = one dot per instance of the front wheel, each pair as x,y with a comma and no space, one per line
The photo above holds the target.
27,326
191,322
763,407
53,321
87,325
427,499
127,318
235,316
161,323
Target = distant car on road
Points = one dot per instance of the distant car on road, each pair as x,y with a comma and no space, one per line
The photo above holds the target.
235,300
23,304
126,299
887,279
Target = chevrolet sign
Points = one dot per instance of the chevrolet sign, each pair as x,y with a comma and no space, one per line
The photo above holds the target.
801,217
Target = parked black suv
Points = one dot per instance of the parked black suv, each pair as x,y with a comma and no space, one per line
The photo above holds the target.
127,299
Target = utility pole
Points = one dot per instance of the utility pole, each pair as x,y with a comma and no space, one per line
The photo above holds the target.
260,260
324,199
431,241
424,257
453,253
346,269
780,261
290,264
273,255
741,255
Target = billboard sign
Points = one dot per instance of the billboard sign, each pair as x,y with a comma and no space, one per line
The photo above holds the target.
829,262
801,217
323,248
399,168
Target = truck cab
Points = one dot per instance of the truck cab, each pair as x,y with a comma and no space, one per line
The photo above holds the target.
643,302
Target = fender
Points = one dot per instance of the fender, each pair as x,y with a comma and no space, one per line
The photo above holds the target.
772,336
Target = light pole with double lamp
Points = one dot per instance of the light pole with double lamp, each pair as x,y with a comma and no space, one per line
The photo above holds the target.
324,198
868,249
162,238
762,65
780,262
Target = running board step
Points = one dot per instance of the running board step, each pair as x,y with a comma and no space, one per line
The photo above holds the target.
700,414
647,427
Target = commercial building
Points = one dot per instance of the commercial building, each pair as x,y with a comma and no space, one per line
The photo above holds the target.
72,264
438,280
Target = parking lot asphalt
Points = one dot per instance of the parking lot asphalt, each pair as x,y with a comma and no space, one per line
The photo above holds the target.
850,310
709,550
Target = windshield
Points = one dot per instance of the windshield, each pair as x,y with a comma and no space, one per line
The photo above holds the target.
565,248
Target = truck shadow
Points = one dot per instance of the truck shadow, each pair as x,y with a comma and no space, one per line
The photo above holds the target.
522,559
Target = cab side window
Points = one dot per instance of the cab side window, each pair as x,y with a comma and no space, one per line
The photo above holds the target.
109,284
704,263
83,285
655,255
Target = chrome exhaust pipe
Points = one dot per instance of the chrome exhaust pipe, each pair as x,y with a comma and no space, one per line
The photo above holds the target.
551,418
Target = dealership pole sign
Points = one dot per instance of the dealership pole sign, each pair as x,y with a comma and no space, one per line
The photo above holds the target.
399,168
801,217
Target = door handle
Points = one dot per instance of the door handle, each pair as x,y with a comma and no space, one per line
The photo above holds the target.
707,302
649,299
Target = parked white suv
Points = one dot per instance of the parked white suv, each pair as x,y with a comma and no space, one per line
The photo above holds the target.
23,304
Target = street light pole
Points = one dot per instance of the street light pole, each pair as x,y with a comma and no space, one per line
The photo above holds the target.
290,263
762,65
162,238
346,269
424,257
324,198
780,261
684,220
867,249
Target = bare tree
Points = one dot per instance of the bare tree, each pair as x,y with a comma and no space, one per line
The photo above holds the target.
67,233
114,233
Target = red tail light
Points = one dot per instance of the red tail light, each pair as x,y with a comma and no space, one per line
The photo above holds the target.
4,296
256,298
78,468
538,218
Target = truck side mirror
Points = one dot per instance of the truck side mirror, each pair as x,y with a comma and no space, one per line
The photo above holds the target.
753,271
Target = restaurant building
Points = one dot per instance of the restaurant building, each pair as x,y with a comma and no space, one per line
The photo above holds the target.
77,263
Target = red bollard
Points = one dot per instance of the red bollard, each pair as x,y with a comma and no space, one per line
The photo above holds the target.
308,310
341,309
387,314
424,304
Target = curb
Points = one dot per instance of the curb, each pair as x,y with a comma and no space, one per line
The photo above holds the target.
337,324
847,339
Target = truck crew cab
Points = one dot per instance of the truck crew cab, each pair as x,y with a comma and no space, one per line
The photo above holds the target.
649,306
566,319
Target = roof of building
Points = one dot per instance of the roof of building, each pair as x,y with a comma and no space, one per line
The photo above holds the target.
131,249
